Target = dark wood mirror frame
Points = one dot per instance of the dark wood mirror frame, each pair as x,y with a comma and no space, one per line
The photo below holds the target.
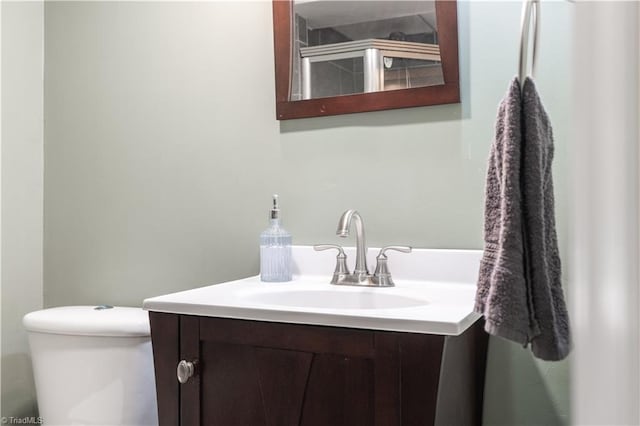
447,93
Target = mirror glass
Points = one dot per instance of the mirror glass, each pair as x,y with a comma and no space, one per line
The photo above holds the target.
362,46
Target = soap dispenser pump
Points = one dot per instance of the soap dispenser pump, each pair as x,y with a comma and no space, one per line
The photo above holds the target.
275,249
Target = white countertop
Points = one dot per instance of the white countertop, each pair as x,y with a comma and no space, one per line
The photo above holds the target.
434,293
447,308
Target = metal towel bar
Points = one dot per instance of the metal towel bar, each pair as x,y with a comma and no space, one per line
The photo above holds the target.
530,11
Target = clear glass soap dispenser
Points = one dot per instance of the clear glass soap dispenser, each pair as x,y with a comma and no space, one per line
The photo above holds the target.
275,249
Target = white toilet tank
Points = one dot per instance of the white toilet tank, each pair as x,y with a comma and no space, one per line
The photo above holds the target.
93,366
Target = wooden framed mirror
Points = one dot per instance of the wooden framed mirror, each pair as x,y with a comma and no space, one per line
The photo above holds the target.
348,56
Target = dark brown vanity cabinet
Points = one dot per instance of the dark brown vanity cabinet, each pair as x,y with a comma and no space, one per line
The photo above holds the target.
251,373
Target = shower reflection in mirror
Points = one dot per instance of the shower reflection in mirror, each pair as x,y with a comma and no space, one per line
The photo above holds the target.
360,46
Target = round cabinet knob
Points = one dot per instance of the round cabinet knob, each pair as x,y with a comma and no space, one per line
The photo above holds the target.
185,371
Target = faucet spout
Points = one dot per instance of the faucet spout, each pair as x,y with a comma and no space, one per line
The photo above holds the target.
361,271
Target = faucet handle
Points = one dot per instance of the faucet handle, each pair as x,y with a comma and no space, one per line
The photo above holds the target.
341,261
382,276
403,249
321,247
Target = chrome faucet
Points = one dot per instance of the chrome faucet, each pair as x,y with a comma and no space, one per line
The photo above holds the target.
361,272
360,275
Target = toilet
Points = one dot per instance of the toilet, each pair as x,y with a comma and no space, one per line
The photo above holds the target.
93,365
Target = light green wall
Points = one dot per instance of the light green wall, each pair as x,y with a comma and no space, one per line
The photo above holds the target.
162,150
22,192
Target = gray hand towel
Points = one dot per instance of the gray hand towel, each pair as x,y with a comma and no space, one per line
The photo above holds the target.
541,243
519,285
502,290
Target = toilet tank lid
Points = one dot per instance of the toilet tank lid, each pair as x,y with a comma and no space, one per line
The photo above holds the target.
89,321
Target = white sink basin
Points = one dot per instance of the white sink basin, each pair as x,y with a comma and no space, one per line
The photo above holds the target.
434,293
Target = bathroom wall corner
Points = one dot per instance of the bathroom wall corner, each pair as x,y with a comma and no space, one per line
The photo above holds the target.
1,3
21,196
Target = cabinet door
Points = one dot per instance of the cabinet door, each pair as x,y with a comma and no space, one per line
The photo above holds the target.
190,400
282,374
256,373
165,333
